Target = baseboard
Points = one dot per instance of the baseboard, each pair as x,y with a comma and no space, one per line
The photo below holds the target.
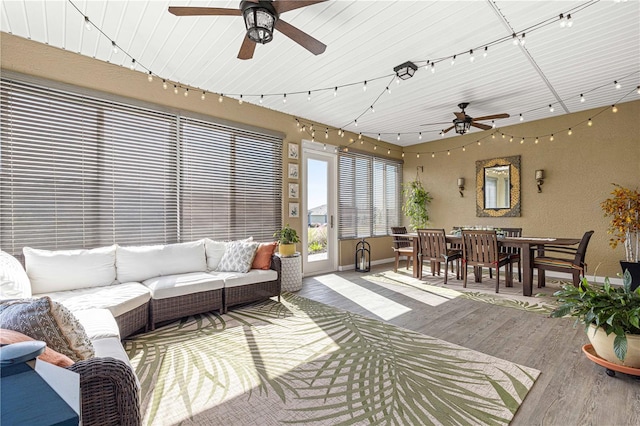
373,262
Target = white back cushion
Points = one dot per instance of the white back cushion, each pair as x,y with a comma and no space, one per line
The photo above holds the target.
139,263
214,250
61,270
14,282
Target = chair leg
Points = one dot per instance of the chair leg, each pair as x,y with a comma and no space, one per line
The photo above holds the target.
395,265
497,279
540,278
576,278
446,271
519,271
464,275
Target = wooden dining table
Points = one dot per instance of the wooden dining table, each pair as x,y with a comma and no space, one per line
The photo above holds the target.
527,245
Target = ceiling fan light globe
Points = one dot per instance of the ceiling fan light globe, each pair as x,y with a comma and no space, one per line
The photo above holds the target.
259,22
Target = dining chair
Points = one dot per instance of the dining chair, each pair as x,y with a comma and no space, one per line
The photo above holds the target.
513,252
402,246
480,250
563,259
433,247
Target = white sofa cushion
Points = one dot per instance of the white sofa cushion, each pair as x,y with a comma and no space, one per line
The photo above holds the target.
118,298
14,282
60,270
238,256
139,263
235,279
214,250
180,285
98,323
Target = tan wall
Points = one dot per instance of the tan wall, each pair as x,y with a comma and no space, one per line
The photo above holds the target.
579,170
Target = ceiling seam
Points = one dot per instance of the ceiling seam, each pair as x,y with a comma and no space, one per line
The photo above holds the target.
526,53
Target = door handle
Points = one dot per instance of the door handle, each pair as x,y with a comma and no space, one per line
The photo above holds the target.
331,221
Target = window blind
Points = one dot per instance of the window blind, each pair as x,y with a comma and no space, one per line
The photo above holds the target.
231,182
78,171
370,195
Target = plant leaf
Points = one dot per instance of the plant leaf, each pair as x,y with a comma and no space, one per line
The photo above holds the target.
620,346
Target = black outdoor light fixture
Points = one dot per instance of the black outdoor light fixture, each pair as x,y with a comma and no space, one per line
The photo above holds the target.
406,70
259,18
462,126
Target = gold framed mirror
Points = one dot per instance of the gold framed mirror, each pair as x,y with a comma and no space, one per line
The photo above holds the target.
498,187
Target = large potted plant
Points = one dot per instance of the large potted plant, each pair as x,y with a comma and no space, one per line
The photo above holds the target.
624,210
611,316
287,239
415,204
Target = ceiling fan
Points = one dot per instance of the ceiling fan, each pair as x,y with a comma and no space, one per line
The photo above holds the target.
462,123
260,18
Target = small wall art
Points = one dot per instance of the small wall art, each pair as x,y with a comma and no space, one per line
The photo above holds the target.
293,151
294,210
293,171
293,190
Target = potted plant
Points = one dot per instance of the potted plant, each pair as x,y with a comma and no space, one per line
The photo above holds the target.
415,204
611,316
624,209
287,239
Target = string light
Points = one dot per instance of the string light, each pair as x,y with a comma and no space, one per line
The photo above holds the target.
133,64
614,108
114,47
284,98
522,40
418,155
569,21
402,154
326,133
537,140
493,124
638,90
220,98
433,155
521,117
203,96
87,23
617,85
388,151
175,89
186,92
453,60
479,143
372,110
486,51
324,146
360,136
590,123
551,137
493,136
582,99
309,96
262,99
514,39
355,122
398,136
448,152
433,68
551,108
563,23
511,139
375,147
570,132
378,136
150,77
388,90
364,86
164,84
297,123
464,148
521,141
471,57
420,136
335,91
240,101
442,134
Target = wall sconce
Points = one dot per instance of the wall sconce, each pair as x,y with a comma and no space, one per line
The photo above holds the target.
539,179
461,186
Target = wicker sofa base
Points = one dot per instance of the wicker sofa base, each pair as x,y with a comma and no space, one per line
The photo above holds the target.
133,321
250,293
182,306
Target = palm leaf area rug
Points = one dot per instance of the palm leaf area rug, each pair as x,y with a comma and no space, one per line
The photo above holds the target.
303,362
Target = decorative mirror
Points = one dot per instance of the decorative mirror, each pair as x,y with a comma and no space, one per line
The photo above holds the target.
498,187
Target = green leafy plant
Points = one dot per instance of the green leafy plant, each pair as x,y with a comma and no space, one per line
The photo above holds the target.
624,209
415,204
287,235
614,309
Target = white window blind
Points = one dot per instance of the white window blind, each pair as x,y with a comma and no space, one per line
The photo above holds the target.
370,195
78,171
231,182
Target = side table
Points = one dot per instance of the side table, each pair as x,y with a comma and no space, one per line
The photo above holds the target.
291,278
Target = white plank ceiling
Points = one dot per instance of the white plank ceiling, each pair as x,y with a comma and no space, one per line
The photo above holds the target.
365,41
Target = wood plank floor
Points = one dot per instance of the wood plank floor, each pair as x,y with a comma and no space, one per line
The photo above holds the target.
571,389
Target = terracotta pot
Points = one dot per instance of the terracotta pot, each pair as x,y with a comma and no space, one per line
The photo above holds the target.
603,345
286,249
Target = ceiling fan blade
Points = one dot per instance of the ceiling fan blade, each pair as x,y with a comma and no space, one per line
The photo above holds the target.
303,39
459,115
480,125
247,48
492,117
446,130
285,6
197,11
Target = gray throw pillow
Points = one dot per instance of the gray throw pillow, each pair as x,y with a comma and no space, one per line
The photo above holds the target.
49,321
238,256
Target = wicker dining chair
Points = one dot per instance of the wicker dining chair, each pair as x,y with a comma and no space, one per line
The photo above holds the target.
563,259
480,250
402,246
433,248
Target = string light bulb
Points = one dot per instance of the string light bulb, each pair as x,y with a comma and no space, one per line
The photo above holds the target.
537,140
372,110
511,139
375,147
638,90
324,146
360,136
442,134
514,39
388,151
433,155
402,154
133,64
589,123
240,101
570,132
471,57
493,124
284,98
186,92
175,89
569,21
563,23
433,68
309,95
453,60
493,136
521,117
150,77
448,152
164,84
614,108
220,98
521,141
378,136
114,47
486,52
388,90
420,136
464,148
203,96
398,138
551,137
503,136
551,108
582,99
355,122
261,99
335,91
418,155
326,134
297,123
479,143
617,85
522,40
364,86
87,23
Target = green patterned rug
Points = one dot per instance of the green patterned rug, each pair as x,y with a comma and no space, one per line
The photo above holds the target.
302,362
543,302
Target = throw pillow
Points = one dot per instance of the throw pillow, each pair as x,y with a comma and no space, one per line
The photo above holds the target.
215,251
238,257
263,256
14,282
49,321
9,337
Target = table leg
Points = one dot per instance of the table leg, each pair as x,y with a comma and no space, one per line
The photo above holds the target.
417,262
527,269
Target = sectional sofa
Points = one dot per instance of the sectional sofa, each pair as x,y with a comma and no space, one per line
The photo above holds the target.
116,291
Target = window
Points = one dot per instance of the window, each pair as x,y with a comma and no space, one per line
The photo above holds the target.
78,171
370,195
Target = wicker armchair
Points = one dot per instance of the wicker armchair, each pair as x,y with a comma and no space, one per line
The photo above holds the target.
255,292
109,392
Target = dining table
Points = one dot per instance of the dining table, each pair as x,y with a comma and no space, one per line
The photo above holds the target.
527,246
